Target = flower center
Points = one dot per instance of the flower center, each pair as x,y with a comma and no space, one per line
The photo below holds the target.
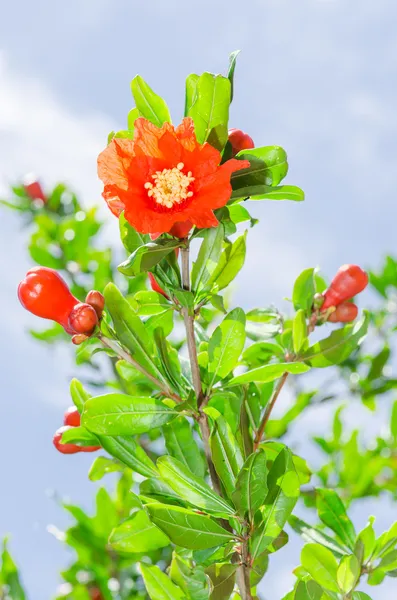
170,186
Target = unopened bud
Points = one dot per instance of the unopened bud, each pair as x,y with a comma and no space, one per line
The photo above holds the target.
83,318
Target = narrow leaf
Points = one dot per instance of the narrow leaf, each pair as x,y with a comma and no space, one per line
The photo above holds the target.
150,105
138,534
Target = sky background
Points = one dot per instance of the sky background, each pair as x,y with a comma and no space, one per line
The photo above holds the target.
317,77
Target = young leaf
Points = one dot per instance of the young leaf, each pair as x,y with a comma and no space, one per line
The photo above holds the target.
339,345
348,573
269,373
225,346
131,239
229,265
361,596
78,394
192,489
251,484
304,291
230,73
150,105
226,453
368,538
333,514
192,580
208,257
284,489
130,330
138,534
79,435
158,585
158,490
119,414
181,444
101,466
321,564
148,256
299,331
210,110
309,590
191,92
188,529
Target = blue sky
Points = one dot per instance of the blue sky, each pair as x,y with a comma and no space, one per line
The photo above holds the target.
317,77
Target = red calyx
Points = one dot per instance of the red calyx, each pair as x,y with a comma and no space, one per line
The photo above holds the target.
64,448
97,301
155,286
45,294
83,318
33,189
72,417
240,141
344,313
349,281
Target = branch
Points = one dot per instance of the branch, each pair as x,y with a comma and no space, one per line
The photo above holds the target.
121,353
268,410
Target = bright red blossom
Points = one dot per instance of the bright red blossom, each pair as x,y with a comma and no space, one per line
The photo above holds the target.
164,176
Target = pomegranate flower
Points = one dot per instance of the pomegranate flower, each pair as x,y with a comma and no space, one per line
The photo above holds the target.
164,177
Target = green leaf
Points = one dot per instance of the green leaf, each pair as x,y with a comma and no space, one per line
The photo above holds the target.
150,105
333,514
158,585
309,590
281,192
226,453
230,73
361,596
348,573
191,92
138,534
251,485
131,118
192,489
223,578
181,444
313,534
79,435
269,373
146,257
225,346
208,257
119,414
368,538
274,161
9,576
150,303
393,422
304,291
188,529
229,264
160,491
191,579
130,453
130,330
284,488
321,564
389,561
101,466
339,345
299,331
131,239
210,110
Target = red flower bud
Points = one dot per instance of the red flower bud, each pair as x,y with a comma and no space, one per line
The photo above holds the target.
97,301
155,286
344,313
83,318
240,141
64,448
33,188
95,593
71,417
349,281
44,293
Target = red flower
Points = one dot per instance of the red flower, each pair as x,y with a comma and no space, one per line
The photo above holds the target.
164,176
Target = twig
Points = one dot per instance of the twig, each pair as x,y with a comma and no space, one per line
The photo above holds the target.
268,410
243,573
128,358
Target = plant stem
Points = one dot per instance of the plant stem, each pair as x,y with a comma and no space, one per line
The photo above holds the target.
243,573
128,358
268,410
189,326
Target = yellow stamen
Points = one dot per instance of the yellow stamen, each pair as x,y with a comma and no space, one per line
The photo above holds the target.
170,186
